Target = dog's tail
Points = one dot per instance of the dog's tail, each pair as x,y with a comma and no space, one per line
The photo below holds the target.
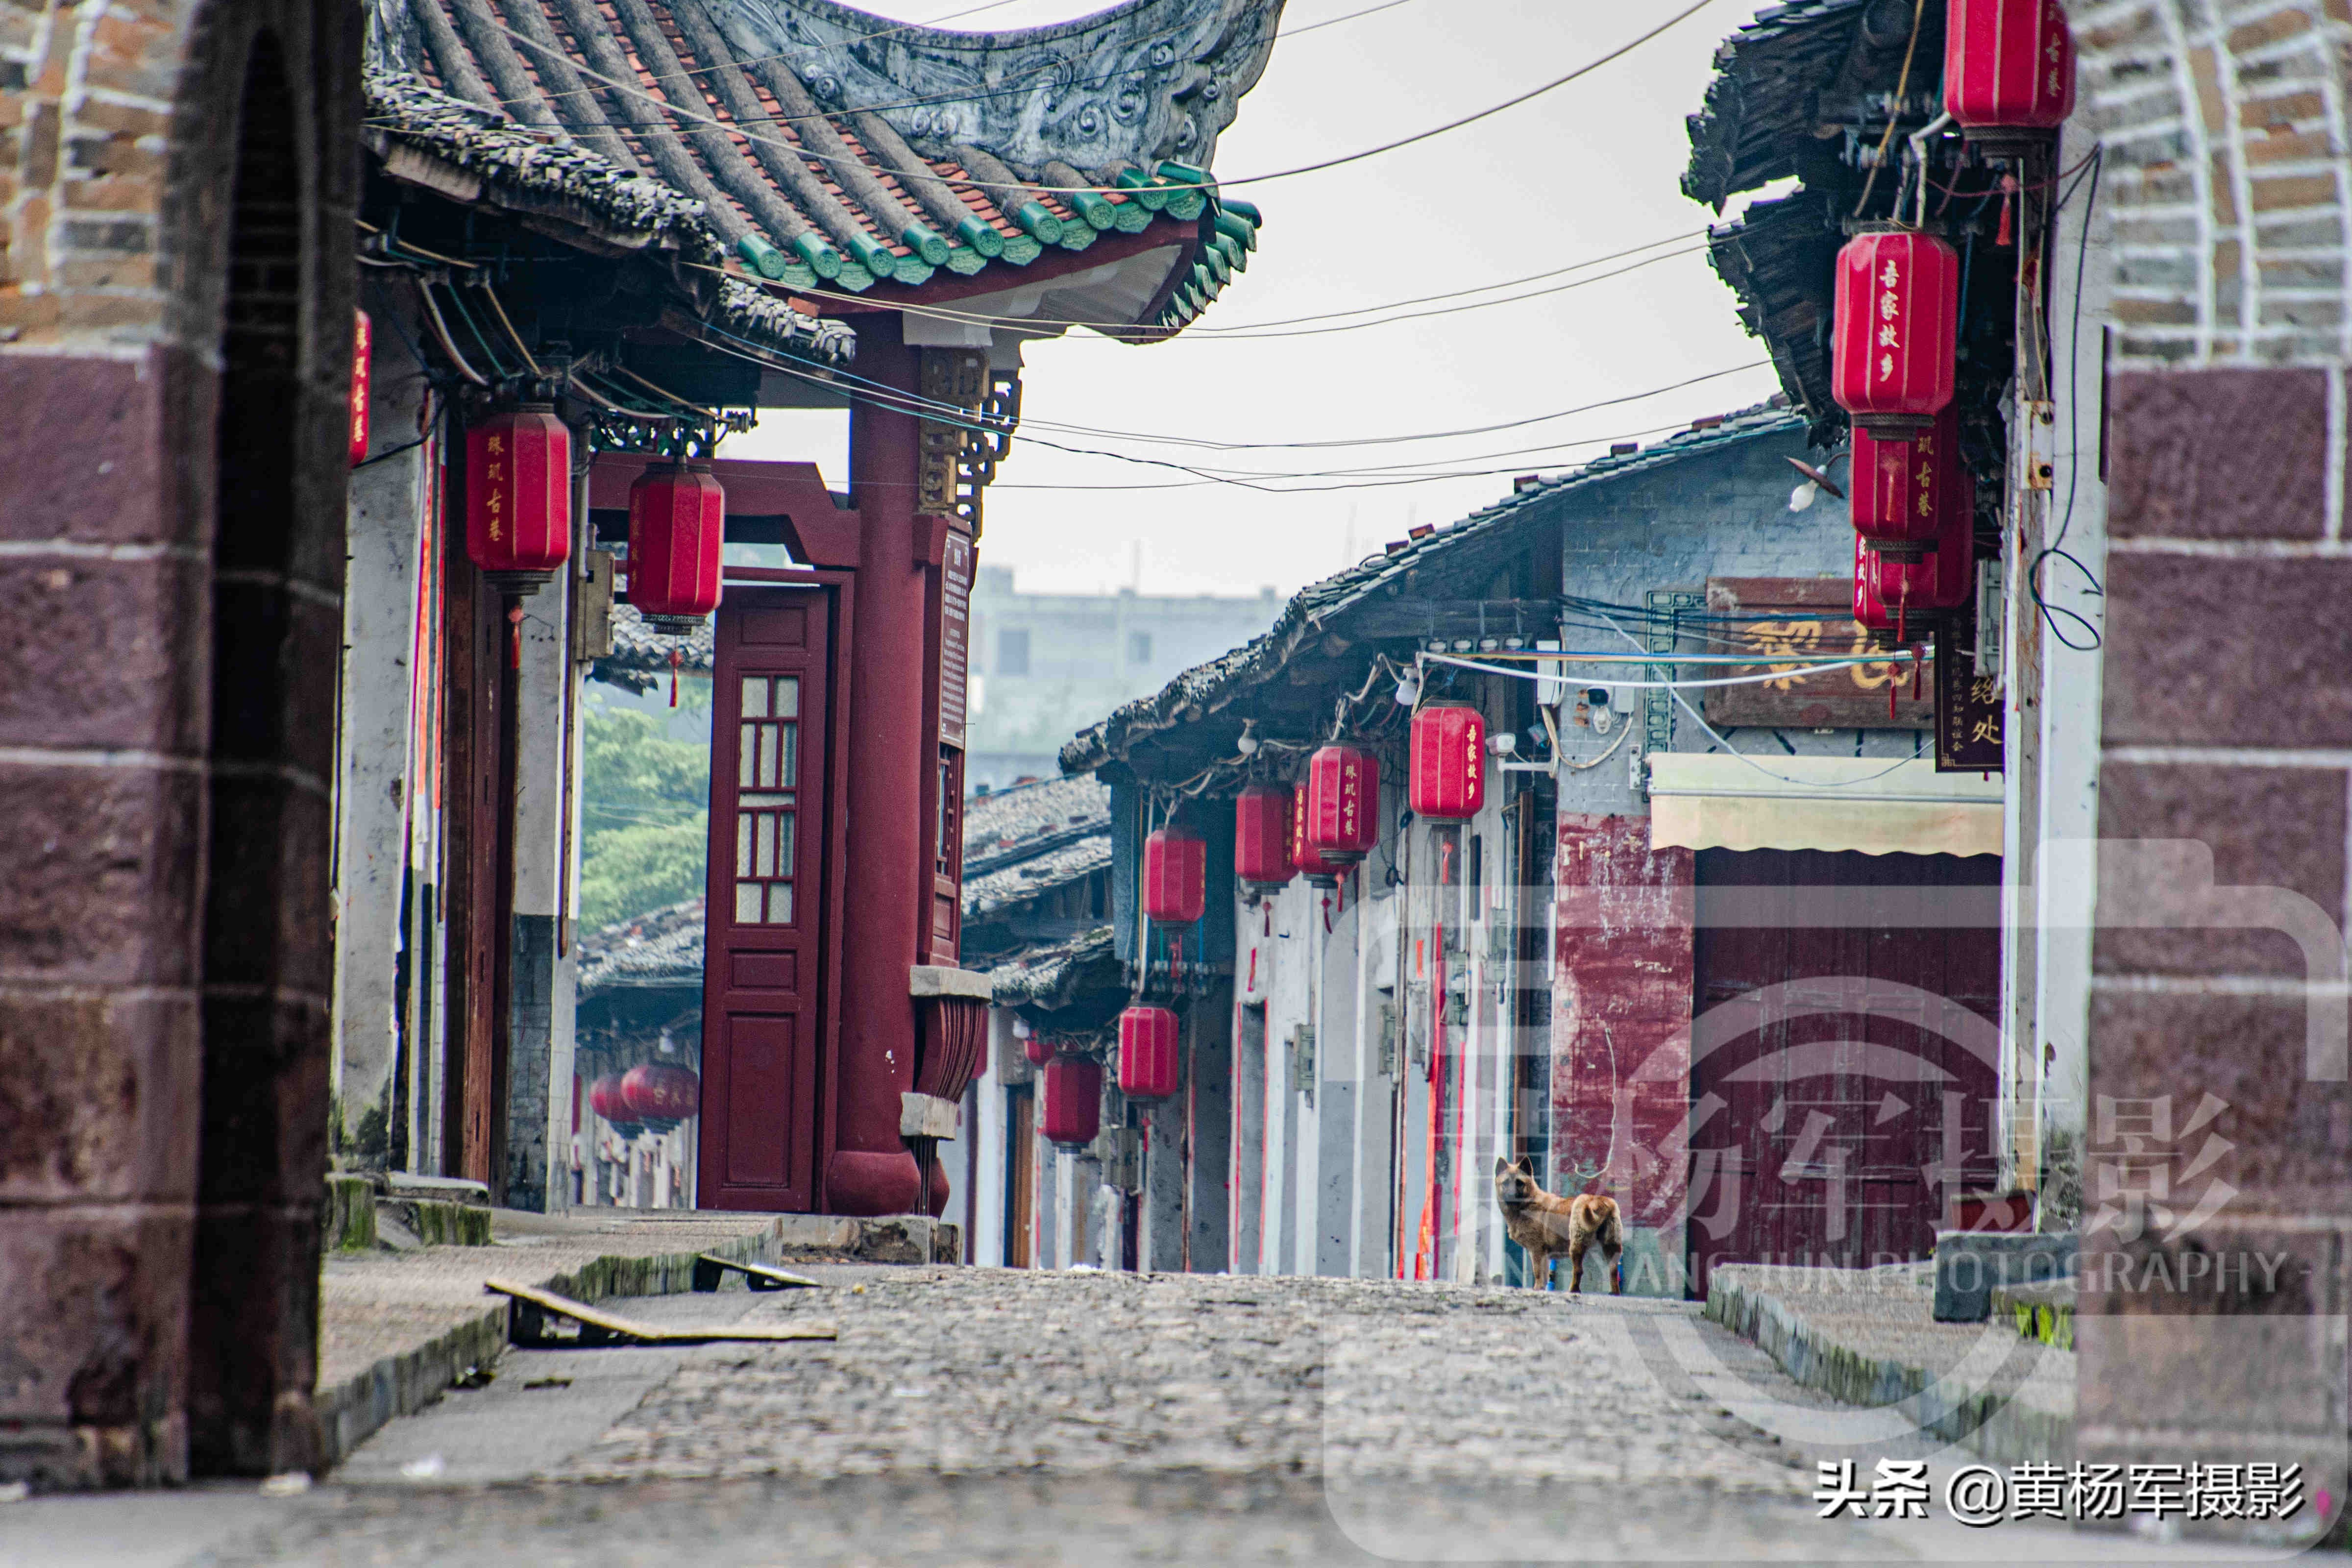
1611,1231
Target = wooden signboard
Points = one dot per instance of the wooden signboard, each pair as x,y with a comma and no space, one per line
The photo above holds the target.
1969,713
1803,616
955,636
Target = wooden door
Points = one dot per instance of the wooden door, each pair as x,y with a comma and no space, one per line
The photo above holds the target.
1020,1172
764,910
1837,1127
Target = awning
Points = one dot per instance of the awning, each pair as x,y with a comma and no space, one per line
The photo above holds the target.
1716,801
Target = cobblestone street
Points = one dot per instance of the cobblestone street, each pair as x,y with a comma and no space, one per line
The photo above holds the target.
987,1415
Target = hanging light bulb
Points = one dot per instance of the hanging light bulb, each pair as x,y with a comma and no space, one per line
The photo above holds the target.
1248,743
1803,496
1408,690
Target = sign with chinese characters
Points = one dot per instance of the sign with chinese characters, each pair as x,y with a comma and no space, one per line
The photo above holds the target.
1800,617
1968,712
955,635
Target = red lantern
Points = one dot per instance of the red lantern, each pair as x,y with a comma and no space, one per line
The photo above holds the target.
1343,803
1175,877
1073,1108
659,1095
1146,1053
363,353
1902,488
1449,762
1322,870
2009,65
604,1098
1896,583
1038,1049
1262,815
677,518
519,497
1896,329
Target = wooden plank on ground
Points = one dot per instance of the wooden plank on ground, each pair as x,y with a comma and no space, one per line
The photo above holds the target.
708,1267
611,1327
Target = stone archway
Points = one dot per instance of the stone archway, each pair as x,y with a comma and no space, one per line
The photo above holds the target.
175,333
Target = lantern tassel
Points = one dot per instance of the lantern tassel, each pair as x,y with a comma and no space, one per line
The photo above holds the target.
1918,663
2008,193
676,657
514,620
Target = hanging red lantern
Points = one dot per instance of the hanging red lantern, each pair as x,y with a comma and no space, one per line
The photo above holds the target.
1321,871
1343,803
677,519
519,497
1901,486
1262,859
1038,1049
1146,1053
606,1099
1449,762
363,356
2009,65
1071,1113
1898,582
1896,328
660,1095
1175,877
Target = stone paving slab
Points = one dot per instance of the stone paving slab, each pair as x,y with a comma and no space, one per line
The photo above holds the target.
1869,1337
396,1329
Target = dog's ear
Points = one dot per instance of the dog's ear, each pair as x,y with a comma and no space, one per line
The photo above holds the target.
1502,1166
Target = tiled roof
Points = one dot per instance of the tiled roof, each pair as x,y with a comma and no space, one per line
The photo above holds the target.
1796,71
1211,685
662,947
640,656
1056,868
1053,976
833,150
549,175
1780,260
1031,839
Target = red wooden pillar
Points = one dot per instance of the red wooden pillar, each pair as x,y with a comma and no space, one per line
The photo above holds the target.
886,914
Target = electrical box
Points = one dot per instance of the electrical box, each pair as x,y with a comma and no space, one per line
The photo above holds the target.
591,626
2041,445
1302,1060
1120,1151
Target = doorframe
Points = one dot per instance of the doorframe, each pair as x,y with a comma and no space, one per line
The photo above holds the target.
839,588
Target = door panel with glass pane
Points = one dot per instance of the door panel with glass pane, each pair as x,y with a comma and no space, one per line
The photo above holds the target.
763,945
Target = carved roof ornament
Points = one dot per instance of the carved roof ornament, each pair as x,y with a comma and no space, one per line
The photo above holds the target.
835,151
1148,80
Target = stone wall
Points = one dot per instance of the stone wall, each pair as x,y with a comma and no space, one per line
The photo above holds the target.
2227,722
175,328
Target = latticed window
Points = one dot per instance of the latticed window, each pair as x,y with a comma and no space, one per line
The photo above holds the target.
766,809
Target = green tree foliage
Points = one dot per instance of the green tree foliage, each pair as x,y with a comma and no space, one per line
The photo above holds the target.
645,816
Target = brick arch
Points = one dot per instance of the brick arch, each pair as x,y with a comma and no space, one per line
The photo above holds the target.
171,494
2226,136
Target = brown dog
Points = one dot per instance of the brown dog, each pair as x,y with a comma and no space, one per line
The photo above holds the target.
1548,1224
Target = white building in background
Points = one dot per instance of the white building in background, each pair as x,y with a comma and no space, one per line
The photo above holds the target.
1044,666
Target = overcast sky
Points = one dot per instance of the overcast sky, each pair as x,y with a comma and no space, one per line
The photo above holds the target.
1589,169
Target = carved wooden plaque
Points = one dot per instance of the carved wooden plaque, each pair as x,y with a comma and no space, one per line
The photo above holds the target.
1803,615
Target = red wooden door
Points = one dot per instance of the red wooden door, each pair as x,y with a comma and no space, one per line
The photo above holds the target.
763,933
1840,1102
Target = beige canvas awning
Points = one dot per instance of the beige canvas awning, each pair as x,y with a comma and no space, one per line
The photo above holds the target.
1716,801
